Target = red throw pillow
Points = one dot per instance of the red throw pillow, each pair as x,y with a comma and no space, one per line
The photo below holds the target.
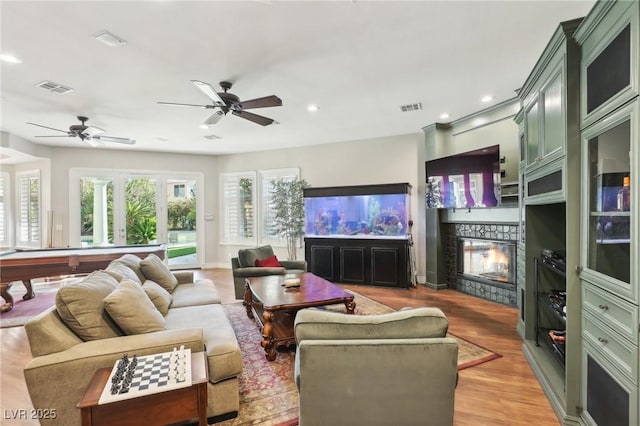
268,262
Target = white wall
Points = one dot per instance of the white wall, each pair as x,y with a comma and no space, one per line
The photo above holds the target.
372,161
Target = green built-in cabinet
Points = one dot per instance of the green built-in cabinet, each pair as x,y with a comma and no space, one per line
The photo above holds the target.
580,160
609,240
550,176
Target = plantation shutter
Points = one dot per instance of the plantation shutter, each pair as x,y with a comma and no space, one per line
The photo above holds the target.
4,210
28,188
238,200
268,234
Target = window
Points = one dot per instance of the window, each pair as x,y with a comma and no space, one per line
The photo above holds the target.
244,219
238,201
179,191
267,232
5,198
28,196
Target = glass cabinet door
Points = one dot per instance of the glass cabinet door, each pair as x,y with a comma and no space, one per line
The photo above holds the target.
533,133
610,202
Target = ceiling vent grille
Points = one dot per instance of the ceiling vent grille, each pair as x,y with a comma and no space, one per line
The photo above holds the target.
54,87
411,107
212,137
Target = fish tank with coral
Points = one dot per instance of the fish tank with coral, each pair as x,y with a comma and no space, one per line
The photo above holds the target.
367,211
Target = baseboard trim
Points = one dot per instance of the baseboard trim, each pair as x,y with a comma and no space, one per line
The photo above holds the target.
434,286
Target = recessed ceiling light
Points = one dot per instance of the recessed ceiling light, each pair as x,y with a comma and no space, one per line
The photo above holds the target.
487,98
444,115
10,58
313,107
204,126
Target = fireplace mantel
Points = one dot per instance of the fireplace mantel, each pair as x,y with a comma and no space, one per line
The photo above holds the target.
501,215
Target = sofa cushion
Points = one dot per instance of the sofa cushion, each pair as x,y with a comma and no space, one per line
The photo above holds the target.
223,351
202,292
81,307
133,262
160,297
248,257
155,270
271,261
119,270
132,310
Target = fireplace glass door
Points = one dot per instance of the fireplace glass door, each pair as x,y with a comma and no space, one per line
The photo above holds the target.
487,260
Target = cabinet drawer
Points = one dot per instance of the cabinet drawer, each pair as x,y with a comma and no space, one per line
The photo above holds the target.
617,350
617,313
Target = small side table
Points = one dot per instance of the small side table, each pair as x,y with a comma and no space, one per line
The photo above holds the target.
157,409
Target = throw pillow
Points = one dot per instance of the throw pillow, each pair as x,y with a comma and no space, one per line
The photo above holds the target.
81,307
160,297
120,271
247,257
155,270
132,310
270,261
133,262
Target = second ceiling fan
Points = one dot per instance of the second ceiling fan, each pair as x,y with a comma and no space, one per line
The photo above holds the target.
223,102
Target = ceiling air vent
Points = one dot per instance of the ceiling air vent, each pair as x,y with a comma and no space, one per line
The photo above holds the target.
212,137
411,107
54,87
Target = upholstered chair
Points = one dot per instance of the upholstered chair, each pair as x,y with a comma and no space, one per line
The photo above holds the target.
391,369
246,265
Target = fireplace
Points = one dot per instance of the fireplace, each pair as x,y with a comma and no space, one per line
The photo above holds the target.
487,260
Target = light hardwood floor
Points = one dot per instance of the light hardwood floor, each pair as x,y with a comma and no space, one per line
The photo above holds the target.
499,392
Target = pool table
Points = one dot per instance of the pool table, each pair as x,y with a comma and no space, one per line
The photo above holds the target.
25,265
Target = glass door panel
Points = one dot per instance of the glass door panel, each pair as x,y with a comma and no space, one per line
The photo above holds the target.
181,221
140,221
532,133
96,211
610,202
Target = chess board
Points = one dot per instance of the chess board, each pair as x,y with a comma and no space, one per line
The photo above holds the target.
150,375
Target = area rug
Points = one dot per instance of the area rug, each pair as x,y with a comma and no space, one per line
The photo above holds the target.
268,395
24,309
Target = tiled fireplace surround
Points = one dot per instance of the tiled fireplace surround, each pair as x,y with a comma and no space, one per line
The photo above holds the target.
502,293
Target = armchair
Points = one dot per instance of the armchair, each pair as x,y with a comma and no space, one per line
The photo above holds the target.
395,368
244,266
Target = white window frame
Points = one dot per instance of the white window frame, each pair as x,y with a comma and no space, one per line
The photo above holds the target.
266,192
21,231
5,210
230,233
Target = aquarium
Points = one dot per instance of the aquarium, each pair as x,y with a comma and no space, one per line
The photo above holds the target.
359,215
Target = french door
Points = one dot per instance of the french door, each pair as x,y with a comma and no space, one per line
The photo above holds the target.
123,208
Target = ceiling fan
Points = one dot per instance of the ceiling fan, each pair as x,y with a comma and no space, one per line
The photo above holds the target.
223,102
89,134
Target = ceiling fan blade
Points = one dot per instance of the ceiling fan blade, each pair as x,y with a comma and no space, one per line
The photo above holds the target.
47,127
187,105
258,119
267,101
116,139
209,91
56,136
214,118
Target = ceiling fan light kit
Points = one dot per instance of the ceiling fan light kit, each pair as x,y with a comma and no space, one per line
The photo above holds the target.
226,101
88,134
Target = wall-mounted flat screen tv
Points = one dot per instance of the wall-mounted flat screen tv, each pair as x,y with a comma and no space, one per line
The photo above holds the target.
467,180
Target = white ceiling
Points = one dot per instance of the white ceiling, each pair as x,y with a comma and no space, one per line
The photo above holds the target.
358,60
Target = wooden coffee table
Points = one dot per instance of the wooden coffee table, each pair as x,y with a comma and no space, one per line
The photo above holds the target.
274,306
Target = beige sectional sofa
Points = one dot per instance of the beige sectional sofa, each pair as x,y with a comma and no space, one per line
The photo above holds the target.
134,306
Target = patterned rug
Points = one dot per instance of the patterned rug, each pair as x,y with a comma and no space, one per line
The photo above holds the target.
268,395
45,291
